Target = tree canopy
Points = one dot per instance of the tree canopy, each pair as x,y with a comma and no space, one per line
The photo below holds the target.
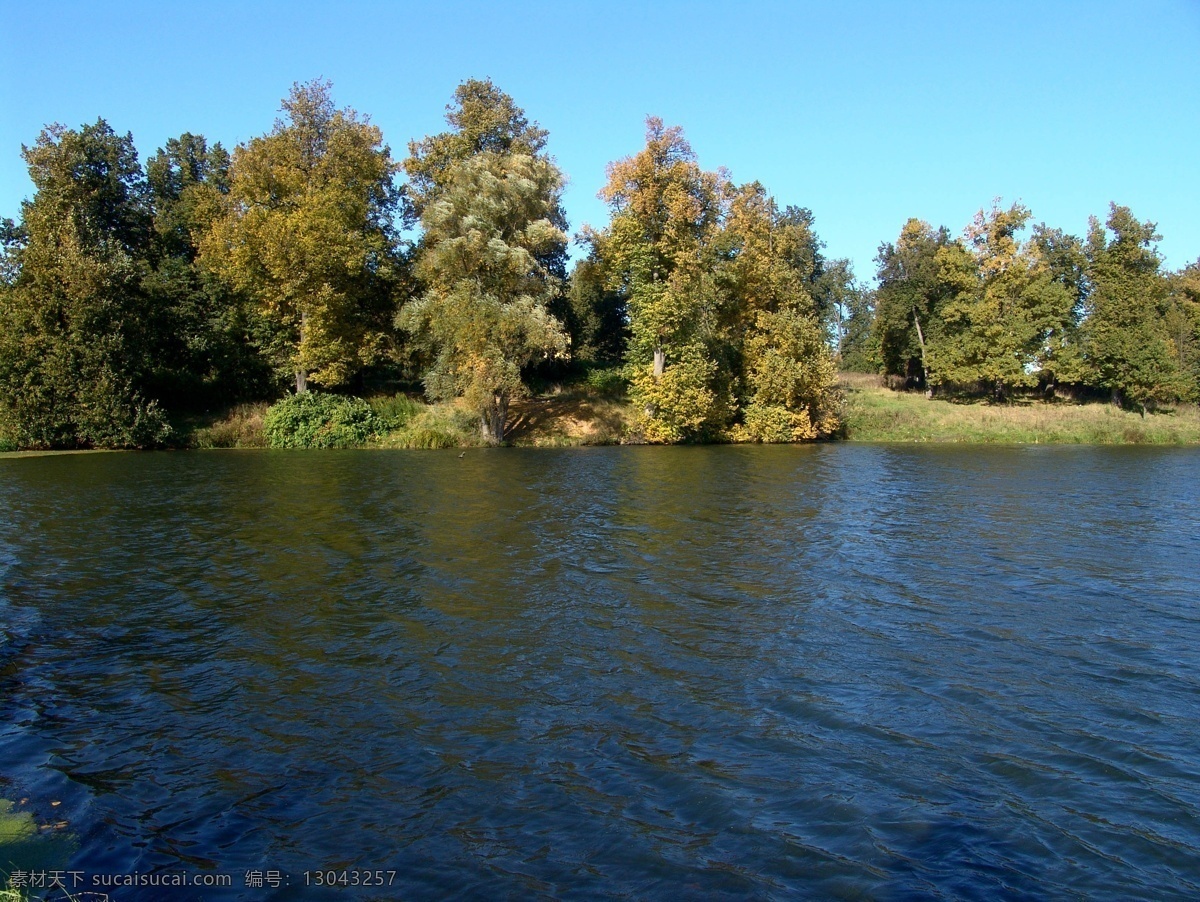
307,232
131,297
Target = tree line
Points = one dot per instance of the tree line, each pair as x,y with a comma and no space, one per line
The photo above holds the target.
991,314
310,257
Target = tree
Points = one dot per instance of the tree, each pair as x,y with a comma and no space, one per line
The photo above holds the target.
657,252
1182,322
76,327
307,233
482,119
908,301
1006,312
597,315
1125,335
483,315
784,376
207,333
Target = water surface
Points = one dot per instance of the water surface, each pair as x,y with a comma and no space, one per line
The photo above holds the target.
829,672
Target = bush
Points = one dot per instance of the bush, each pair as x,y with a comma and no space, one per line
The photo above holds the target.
608,380
319,420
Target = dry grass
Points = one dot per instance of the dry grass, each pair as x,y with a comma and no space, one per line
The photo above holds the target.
875,413
569,419
240,427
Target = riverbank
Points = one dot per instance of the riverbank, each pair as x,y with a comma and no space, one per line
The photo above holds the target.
875,413
577,415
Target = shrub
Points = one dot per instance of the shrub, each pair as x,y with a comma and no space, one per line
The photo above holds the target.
608,380
319,420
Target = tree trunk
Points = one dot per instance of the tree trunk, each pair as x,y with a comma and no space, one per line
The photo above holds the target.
301,372
494,419
660,361
921,339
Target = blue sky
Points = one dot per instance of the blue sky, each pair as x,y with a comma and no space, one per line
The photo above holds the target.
867,113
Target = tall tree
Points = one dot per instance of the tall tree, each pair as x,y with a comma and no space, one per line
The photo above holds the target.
666,212
1182,322
1125,335
783,371
308,233
76,337
908,301
483,315
484,119
1000,325
207,349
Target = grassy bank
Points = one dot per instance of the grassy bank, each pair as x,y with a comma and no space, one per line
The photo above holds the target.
875,413
562,417
580,414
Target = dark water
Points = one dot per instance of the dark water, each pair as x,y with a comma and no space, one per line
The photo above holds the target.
822,672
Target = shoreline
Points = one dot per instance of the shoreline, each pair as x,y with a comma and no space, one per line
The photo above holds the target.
873,414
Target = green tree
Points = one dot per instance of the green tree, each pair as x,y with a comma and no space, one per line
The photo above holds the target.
783,372
207,350
597,314
859,352
307,233
1000,324
76,327
484,119
483,314
1182,322
1125,334
908,302
657,251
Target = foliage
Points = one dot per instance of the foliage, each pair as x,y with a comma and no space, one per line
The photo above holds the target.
1182,324
859,352
607,380
483,119
793,382
912,290
394,411
208,349
434,428
76,327
240,427
1007,312
596,314
657,253
1126,340
306,231
483,315
319,420
777,348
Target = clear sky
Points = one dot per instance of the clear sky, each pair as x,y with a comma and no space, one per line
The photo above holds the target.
867,113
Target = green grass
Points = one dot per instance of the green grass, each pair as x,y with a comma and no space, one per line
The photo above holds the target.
433,427
875,413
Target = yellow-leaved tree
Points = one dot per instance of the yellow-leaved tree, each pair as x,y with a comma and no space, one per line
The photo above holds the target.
307,233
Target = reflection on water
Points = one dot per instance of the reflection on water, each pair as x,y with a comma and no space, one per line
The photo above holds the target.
718,672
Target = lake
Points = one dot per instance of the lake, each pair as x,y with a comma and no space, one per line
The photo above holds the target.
834,671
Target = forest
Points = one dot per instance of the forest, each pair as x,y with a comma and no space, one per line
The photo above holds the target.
310,270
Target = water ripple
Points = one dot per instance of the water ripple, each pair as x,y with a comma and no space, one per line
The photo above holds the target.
717,672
